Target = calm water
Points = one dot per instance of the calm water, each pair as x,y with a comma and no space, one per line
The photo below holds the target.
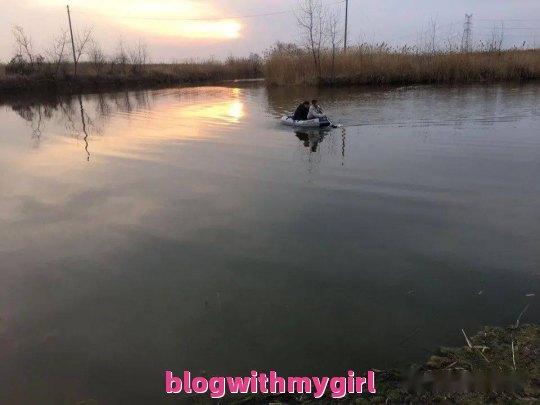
187,229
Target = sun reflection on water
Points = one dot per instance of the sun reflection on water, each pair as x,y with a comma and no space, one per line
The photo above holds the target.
130,125
225,108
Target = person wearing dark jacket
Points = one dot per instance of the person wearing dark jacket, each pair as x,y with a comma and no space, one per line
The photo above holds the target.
302,112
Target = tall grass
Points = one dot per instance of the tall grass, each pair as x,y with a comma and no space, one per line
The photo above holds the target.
380,65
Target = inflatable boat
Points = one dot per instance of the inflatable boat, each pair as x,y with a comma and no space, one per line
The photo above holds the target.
314,123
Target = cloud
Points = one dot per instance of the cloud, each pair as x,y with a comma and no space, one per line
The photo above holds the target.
164,18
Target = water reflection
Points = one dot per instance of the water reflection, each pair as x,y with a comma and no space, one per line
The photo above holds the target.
71,113
83,121
34,116
179,114
229,112
311,139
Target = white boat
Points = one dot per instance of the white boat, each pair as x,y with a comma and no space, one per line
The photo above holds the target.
314,123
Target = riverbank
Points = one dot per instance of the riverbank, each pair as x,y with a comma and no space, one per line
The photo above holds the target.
367,65
290,67
106,78
496,366
81,84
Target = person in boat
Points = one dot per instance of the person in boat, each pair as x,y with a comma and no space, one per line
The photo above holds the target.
315,111
301,113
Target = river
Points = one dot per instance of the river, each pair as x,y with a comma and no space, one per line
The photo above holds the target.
187,229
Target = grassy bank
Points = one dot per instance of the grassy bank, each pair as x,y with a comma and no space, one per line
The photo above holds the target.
363,65
512,352
111,76
368,65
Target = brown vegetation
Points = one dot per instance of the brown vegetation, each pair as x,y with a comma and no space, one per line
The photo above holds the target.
102,76
381,65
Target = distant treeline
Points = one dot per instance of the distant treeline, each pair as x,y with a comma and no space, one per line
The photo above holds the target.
89,67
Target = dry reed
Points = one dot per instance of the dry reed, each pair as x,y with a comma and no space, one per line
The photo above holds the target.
381,66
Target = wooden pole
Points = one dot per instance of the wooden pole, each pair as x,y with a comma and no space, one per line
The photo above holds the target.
346,24
72,41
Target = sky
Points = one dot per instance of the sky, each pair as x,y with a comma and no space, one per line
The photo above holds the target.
177,30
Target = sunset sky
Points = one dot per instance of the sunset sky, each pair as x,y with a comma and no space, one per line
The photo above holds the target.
183,29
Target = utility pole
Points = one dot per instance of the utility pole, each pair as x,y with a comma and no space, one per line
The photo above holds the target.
72,41
346,24
466,42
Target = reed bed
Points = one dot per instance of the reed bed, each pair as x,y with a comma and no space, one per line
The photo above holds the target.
382,66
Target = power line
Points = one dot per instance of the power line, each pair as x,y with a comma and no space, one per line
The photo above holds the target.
438,28
507,19
511,28
509,35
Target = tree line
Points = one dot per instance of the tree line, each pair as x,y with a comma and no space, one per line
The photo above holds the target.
60,58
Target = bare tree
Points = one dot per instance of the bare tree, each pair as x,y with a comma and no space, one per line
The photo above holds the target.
310,20
431,38
82,41
23,42
138,57
335,37
121,57
495,42
451,40
256,64
97,56
57,51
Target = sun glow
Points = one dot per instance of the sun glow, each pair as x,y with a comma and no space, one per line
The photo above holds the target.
162,18
189,29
